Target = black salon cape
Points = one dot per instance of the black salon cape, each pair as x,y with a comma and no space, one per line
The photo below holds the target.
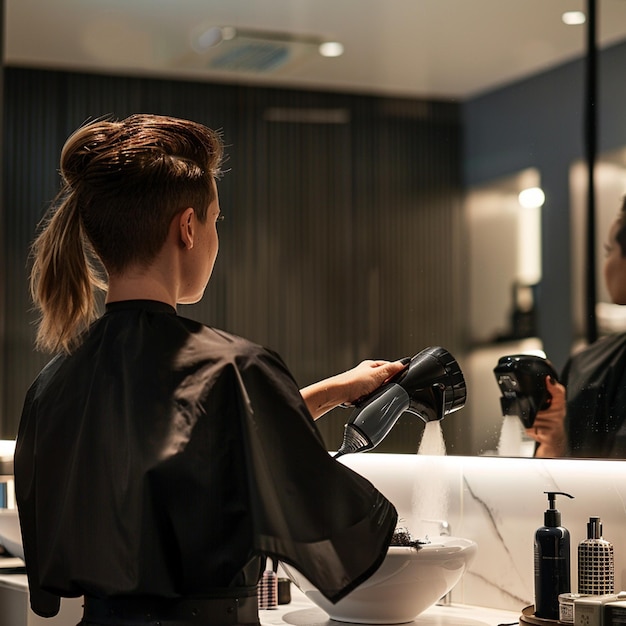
595,379
166,458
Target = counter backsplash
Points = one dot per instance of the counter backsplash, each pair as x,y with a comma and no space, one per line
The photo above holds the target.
499,503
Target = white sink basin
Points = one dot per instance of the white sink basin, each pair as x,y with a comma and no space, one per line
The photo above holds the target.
408,582
10,534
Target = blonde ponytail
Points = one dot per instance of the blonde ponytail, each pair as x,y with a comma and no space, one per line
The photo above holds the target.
63,279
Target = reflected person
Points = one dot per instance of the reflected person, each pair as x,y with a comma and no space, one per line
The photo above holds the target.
587,415
159,461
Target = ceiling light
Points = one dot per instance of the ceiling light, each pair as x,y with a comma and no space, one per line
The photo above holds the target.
228,32
574,18
331,49
208,38
211,37
532,198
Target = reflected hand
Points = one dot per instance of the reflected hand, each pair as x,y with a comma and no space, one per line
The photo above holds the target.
548,429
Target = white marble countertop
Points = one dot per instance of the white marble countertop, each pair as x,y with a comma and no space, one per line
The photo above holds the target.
303,612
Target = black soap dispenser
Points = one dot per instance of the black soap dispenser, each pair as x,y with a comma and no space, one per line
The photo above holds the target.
552,561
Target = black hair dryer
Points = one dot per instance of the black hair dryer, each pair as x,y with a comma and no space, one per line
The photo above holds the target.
430,387
522,382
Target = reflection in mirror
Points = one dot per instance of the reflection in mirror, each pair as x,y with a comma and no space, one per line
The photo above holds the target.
610,184
504,251
554,149
610,188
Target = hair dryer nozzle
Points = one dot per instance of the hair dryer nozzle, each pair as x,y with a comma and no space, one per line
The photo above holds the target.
435,384
522,382
430,387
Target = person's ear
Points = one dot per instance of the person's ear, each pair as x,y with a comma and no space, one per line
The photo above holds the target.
186,228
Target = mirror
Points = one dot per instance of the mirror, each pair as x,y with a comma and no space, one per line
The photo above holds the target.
513,75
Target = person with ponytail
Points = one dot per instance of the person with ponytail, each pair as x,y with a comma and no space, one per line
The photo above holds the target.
160,461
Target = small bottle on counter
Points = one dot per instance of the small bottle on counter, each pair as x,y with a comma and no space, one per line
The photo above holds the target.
596,565
267,589
552,561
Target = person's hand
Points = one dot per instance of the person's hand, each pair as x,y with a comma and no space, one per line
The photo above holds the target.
366,377
349,386
548,429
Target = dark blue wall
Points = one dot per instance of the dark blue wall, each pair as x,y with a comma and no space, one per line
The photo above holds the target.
539,122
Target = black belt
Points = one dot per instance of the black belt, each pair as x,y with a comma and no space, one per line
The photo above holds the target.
150,611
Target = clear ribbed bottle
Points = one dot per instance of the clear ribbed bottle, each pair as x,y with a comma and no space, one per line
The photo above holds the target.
596,565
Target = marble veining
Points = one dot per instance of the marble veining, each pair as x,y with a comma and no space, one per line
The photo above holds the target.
499,503
514,578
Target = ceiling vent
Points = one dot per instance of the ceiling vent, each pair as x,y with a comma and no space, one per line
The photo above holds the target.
228,49
248,55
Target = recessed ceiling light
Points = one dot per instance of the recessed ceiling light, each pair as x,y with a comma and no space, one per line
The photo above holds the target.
331,49
574,18
210,37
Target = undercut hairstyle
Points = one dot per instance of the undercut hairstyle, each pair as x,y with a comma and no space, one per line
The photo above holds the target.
122,184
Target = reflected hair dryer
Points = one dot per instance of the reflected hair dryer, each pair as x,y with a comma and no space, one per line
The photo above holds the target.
430,387
522,382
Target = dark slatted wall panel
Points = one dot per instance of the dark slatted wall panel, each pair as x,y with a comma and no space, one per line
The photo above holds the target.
407,216
342,232
30,154
3,329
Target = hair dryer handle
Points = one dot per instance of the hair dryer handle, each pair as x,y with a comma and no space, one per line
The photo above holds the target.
370,423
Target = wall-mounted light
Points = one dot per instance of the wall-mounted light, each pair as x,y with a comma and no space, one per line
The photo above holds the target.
573,18
531,198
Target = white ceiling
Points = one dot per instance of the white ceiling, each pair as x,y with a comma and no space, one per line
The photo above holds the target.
422,48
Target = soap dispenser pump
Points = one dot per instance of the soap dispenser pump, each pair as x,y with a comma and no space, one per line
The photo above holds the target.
552,561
